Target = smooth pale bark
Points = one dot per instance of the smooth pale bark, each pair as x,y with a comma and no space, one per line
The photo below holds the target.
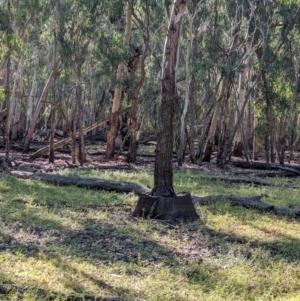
113,122
40,104
92,117
238,139
32,94
16,99
212,131
163,174
12,106
180,152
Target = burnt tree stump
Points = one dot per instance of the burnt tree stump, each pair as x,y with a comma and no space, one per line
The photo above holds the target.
170,208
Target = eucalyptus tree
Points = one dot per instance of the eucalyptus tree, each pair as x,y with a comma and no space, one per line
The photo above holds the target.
18,30
163,202
117,94
142,19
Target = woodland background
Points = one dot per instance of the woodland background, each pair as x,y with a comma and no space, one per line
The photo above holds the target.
68,65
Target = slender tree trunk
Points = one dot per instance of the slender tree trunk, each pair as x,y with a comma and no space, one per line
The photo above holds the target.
255,139
268,118
39,106
191,118
8,108
52,130
180,152
238,139
113,122
32,95
132,153
287,120
52,127
93,98
80,100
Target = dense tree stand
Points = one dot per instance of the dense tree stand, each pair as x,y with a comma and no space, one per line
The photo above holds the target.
166,208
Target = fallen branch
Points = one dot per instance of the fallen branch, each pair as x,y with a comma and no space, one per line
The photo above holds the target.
91,183
254,202
140,189
267,166
45,150
235,180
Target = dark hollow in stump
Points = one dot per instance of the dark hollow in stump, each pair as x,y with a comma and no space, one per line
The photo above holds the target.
166,208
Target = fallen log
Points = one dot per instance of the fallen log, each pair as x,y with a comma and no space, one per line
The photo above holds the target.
254,202
90,183
45,150
228,179
139,189
267,166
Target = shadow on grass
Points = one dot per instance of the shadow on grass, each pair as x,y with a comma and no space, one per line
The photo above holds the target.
282,246
106,243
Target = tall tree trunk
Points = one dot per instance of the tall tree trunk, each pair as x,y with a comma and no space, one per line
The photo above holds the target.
92,118
238,139
163,203
39,106
132,153
255,139
52,126
80,105
113,122
32,94
181,148
268,110
163,174
7,89
8,107
191,118
285,126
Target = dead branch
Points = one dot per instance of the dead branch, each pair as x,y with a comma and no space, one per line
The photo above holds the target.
254,202
139,189
91,183
267,166
45,150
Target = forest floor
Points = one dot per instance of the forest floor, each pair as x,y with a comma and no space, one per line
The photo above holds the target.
70,243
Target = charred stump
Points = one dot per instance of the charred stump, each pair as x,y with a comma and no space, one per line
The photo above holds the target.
177,207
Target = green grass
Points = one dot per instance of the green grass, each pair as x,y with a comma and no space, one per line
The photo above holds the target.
57,241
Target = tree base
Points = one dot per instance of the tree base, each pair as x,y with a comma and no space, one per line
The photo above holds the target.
166,208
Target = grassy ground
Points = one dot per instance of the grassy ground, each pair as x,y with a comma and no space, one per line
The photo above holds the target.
58,241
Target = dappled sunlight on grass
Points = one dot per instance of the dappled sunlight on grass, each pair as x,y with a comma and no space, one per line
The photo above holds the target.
68,240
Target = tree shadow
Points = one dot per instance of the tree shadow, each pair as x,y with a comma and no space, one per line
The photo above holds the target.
283,246
104,242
